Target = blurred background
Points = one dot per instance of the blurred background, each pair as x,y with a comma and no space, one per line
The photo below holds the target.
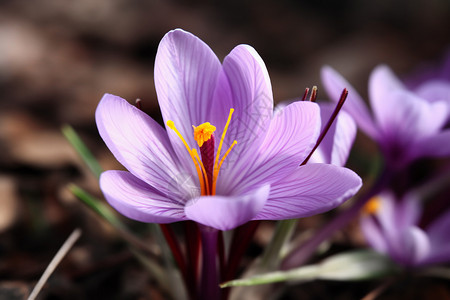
57,59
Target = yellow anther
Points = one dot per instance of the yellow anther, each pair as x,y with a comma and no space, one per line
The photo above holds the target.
203,132
372,206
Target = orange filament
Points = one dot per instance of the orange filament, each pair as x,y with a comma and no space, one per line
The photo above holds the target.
205,177
171,125
202,134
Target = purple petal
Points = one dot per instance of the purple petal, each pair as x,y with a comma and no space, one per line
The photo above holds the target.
291,136
310,190
416,245
227,212
137,200
374,236
186,72
137,142
245,86
434,90
438,233
404,118
336,145
334,83
409,211
437,145
382,82
387,215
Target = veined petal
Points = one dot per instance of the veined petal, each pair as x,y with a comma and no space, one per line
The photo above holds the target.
186,72
335,147
405,118
309,190
292,134
244,85
137,200
138,143
334,84
227,212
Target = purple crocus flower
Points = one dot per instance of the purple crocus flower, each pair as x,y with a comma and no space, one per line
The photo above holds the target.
406,125
392,227
224,158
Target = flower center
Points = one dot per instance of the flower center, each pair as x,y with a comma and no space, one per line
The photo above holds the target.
209,165
372,206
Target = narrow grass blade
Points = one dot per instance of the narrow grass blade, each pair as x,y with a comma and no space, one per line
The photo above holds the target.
85,154
68,244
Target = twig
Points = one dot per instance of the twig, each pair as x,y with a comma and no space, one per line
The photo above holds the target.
55,262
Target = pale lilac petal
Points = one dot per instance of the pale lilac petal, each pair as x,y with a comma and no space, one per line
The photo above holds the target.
137,200
409,211
250,94
335,147
227,212
416,245
437,145
438,233
310,190
374,236
245,86
387,215
334,84
292,134
137,142
186,72
405,118
437,255
383,82
434,90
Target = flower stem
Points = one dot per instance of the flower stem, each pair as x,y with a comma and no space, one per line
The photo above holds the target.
282,233
210,281
301,254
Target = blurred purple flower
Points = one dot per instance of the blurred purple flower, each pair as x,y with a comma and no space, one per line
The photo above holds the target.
260,178
392,227
432,83
406,125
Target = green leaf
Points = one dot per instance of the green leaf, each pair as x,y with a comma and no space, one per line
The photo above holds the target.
82,150
355,265
96,205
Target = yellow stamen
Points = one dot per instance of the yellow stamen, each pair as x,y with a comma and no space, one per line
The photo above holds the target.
203,132
205,176
216,163
226,153
171,125
372,206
